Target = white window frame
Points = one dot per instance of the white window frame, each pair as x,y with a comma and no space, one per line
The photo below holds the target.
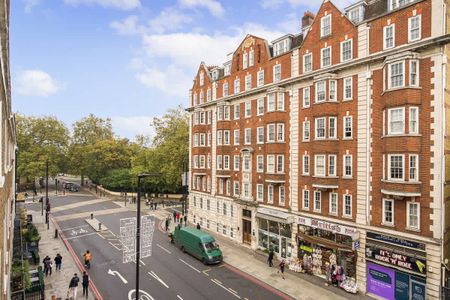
247,136
236,162
280,101
280,164
271,128
306,97
306,131
332,172
410,20
225,89
332,134
321,83
260,192
332,90
416,167
403,167
309,65
260,75
236,137
280,132
244,60
385,28
347,82
271,102
259,137
248,109
402,63
260,164
248,82
316,158
251,57
219,139
236,188
408,215
390,130
305,166
270,192
226,137
351,50
208,95
270,168
316,121
345,128
383,215
322,57
334,196
237,111
414,81
219,164
305,200
260,107
345,165
413,111
319,207
344,205
237,86
323,30
277,73
226,162
281,195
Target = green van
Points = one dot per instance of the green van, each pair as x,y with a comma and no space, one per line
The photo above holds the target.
197,243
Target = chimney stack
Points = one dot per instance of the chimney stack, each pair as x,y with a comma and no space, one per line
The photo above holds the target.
307,19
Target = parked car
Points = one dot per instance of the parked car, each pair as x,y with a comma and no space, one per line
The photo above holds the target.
197,243
74,188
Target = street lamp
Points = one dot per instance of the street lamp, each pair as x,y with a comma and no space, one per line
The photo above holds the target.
138,226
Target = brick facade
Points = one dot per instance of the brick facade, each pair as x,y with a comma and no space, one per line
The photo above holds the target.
370,164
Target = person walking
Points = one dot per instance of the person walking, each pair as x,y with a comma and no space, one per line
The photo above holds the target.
185,220
174,216
87,259
198,226
73,286
270,258
47,266
58,262
85,283
167,224
281,266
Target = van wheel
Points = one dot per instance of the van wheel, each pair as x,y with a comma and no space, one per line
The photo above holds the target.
204,261
182,249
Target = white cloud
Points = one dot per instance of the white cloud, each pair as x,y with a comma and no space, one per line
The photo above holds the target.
35,83
291,23
117,4
214,7
311,4
29,4
271,3
169,19
128,26
129,127
171,80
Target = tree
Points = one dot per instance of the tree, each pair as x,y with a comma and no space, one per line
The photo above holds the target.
40,139
117,180
87,132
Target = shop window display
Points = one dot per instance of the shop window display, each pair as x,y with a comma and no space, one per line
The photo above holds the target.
275,236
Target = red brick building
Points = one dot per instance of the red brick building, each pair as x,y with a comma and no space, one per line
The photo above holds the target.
327,146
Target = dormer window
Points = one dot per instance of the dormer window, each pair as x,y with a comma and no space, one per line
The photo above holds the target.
281,47
394,4
215,75
227,69
325,26
356,14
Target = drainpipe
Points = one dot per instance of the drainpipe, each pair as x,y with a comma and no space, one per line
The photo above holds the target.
368,114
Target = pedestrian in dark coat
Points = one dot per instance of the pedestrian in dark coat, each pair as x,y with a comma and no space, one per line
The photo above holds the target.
167,224
85,283
47,266
281,266
270,258
198,226
73,286
174,216
58,262
185,220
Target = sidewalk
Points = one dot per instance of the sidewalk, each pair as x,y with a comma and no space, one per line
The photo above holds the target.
296,285
58,283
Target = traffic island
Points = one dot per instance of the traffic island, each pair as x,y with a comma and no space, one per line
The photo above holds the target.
96,224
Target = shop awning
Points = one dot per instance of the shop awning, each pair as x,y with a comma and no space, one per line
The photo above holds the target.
271,218
324,242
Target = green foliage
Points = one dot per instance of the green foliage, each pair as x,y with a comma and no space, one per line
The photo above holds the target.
30,233
117,180
40,139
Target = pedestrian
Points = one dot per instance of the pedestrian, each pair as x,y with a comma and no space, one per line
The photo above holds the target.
174,216
58,262
73,286
270,258
85,283
87,259
156,204
198,226
281,266
47,266
167,224
185,220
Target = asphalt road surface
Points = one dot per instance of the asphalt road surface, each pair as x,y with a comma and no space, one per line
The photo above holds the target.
167,274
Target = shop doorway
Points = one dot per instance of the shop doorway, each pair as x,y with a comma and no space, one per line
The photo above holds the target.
247,231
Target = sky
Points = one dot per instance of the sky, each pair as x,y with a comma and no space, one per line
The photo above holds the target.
130,60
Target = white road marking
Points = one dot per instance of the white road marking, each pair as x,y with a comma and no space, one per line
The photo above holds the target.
114,246
142,262
80,236
151,273
232,290
206,272
75,227
225,288
112,232
189,265
114,273
163,248
179,297
101,236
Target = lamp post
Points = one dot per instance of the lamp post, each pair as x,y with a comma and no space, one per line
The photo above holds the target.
47,210
138,227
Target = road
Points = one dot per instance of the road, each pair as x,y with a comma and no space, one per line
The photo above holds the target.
167,274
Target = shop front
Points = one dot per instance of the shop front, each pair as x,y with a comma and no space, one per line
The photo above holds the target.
326,249
396,268
274,231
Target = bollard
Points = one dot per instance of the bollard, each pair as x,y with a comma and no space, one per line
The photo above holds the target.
56,233
99,226
92,216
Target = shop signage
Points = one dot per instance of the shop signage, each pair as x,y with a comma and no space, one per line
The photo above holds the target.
395,240
272,212
335,228
356,245
398,260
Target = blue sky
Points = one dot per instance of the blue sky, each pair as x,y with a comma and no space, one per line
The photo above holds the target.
129,60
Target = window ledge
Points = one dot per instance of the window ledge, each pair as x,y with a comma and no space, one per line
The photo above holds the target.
401,88
347,177
401,135
347,217
329,101
305,141
347,138
320,139
319,176
401,181
317,210
333,214
305,175
388,224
